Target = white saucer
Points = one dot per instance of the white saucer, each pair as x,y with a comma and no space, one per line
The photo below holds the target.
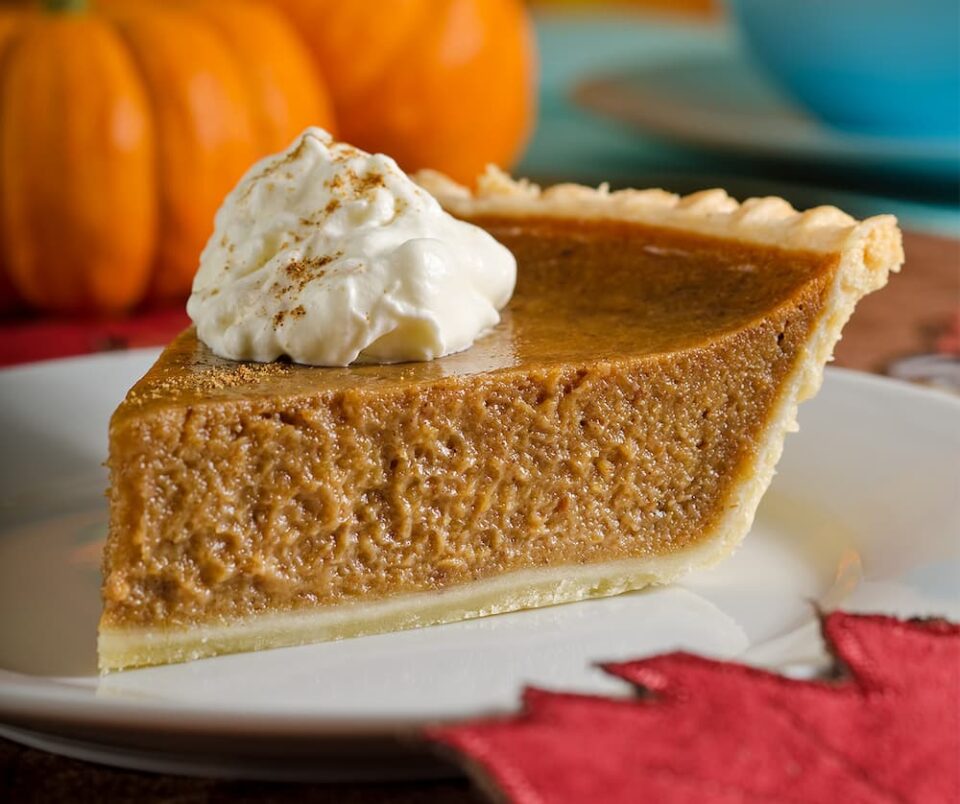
715,100
864,514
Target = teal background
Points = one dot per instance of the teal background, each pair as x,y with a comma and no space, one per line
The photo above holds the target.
572,144
877,66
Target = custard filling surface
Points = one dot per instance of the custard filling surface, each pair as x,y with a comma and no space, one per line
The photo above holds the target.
607,416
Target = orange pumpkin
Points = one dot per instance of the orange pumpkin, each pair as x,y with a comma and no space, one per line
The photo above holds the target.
447,84
121,129
9,298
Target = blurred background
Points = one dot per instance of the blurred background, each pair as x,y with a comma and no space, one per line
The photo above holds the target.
124,122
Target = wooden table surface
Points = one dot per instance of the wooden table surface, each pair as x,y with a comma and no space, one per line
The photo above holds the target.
905,317
902,320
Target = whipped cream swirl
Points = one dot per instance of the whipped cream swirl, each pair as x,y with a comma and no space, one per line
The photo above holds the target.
330,256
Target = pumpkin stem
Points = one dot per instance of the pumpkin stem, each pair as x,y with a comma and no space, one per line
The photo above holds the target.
72,6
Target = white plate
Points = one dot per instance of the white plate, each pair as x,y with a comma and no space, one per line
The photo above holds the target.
864,513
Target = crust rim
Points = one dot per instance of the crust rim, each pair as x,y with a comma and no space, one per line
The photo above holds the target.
769,220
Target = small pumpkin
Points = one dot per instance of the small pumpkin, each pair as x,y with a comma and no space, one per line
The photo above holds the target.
9,298
122,126
445,84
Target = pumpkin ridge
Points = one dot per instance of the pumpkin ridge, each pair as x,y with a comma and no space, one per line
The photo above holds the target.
205,131
285,92
451,90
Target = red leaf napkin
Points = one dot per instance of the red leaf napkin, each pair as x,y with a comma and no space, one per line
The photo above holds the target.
886,729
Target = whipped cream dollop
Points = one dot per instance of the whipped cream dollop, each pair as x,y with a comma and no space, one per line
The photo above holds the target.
330,255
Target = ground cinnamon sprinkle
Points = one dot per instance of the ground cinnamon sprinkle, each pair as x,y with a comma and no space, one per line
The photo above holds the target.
212,378
278,291
300,272
364,185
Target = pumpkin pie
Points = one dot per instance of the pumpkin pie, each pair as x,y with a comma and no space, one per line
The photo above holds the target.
616,429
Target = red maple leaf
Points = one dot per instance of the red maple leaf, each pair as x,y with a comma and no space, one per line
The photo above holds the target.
884,728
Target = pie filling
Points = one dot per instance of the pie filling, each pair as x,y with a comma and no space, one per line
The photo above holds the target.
611,415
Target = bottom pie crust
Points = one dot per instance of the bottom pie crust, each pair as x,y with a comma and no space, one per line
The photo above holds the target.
525,589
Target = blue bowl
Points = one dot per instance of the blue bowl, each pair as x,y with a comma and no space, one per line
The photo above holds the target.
881,67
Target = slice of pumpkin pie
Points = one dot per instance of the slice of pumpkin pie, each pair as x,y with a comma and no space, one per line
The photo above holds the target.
616,428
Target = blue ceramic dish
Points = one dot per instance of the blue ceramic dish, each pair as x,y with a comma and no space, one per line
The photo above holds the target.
881,67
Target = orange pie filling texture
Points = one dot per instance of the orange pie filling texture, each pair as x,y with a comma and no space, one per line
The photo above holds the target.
609,415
